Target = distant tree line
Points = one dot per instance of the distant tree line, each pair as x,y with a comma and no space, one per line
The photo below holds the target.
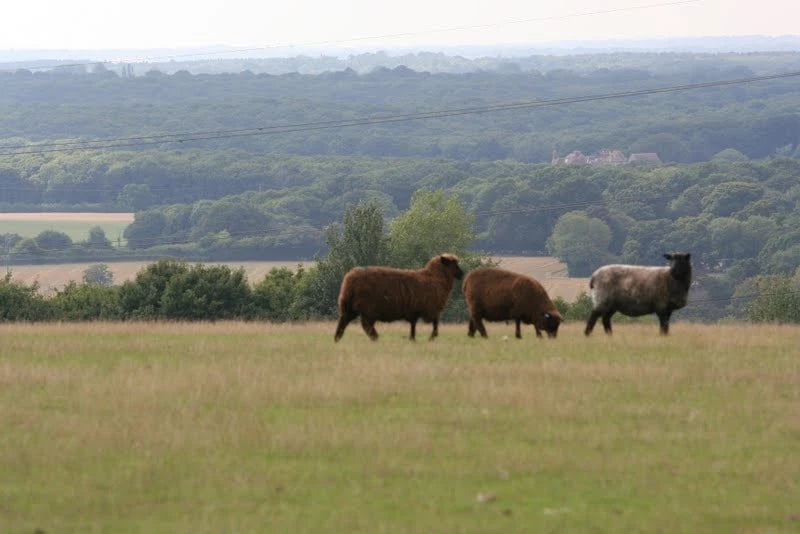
739,219
176,290
758,120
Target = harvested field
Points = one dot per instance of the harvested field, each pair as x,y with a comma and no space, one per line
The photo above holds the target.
56,276
548,270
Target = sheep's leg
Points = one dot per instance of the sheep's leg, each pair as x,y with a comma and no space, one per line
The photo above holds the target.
518,331
538,332
344,320
663,319
413,334
607,321
369,327
471,331
435,331
592,320
480,327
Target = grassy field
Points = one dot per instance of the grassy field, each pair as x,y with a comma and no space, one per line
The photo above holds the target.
235,427
75,225
549,271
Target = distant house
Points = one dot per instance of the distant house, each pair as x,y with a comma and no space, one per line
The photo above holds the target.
644,157
606,156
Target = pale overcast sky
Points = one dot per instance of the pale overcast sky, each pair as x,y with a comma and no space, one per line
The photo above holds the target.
96,24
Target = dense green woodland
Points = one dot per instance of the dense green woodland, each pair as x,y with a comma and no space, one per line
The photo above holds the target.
729,191
757,119
220,205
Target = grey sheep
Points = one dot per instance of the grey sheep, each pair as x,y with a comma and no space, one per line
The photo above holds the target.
636,290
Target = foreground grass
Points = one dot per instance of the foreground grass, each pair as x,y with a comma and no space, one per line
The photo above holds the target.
237,427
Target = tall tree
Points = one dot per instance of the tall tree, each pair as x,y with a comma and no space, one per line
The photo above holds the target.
434,224
581,242
360,242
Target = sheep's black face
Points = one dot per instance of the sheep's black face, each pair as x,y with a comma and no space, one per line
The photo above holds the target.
551,323
451,262
680,265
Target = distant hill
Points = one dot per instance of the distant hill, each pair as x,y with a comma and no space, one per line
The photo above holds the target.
433,58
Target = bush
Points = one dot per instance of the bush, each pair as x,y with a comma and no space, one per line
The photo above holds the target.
207,293
777,300
20,302
277,296
98,274
142,298
86,302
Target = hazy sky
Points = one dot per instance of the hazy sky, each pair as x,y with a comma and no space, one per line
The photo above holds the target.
94,24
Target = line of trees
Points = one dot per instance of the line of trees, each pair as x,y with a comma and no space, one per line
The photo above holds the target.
176,290
755,119
736,217
173,289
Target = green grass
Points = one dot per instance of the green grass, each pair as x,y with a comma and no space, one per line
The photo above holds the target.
234,427
76,230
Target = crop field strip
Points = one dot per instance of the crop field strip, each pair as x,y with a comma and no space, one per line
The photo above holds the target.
75,225
549,271
250,427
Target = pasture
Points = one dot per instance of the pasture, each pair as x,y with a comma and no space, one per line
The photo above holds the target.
251,427
550,271
75,225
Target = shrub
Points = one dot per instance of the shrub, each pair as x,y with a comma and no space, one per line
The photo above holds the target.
86,302
20,302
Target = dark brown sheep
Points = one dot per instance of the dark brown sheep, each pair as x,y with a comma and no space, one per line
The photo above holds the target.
499,295
386,294
636,290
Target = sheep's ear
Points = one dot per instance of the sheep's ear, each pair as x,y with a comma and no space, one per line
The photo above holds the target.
688,256
668,256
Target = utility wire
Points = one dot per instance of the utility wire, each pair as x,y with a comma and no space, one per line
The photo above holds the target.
367,38
125,142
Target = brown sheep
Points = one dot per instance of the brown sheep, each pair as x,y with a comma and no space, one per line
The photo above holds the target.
386,294
636,290
499,295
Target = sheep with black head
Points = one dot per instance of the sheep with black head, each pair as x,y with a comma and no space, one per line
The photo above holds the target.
636,290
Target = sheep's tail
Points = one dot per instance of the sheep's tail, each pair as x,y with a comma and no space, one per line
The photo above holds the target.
592,291
344,301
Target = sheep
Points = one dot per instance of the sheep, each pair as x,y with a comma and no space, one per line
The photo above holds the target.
635,290
499,295
386,294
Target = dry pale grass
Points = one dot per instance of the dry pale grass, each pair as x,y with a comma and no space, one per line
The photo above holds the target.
55,276
204,427
50,277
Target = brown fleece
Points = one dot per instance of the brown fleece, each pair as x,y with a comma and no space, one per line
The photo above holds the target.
499,295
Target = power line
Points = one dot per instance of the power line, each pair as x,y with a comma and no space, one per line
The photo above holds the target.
124,142
370,38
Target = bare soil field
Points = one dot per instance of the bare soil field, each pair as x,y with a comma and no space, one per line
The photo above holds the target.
550,271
